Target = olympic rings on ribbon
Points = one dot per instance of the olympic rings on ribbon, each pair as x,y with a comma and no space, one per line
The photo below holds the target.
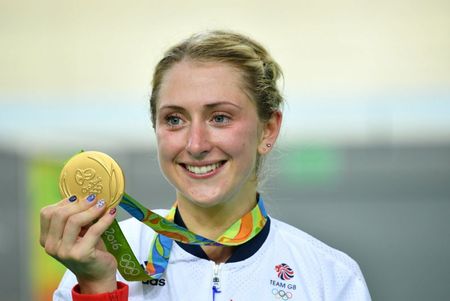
128,265
280,294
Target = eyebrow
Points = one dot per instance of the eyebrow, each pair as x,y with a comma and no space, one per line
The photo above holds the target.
209,106
220,103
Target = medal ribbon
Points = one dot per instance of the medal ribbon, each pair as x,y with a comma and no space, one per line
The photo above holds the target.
240,232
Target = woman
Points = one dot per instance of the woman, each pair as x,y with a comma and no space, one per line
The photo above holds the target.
216,113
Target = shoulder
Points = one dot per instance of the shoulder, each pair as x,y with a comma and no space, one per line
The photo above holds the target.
332,271
328,259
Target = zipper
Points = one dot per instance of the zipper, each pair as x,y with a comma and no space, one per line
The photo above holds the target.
216,279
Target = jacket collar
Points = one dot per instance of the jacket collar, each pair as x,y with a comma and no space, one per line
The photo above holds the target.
239,253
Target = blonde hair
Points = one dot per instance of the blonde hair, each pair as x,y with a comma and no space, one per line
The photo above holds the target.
259,71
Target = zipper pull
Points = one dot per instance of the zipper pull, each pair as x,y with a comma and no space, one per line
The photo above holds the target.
216,280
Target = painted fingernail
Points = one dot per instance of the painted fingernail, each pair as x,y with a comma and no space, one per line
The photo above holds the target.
90,198
112,211
100,204
73,198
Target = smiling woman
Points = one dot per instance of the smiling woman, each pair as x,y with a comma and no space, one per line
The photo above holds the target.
215,109
210,154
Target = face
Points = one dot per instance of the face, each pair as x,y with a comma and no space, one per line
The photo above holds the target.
208,133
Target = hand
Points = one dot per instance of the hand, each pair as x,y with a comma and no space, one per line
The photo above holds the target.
70,234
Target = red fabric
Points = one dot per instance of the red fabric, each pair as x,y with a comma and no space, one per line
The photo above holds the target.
121,294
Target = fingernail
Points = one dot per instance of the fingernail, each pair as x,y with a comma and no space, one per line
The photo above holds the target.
100,204
90,198
73,198
112,211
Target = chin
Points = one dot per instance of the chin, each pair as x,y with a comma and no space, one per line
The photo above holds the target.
205,200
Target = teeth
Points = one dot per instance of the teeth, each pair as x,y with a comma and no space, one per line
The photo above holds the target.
202,169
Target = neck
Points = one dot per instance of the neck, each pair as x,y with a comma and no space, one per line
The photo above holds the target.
218,254
211,222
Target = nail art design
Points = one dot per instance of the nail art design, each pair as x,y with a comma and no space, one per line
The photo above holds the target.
112,211
73,198
100,204
90,198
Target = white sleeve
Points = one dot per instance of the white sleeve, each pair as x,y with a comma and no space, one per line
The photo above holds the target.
64,290
345,282
354,289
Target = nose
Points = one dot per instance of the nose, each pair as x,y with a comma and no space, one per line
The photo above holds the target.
198,143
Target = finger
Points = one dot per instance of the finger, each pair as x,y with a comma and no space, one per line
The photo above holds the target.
59,219
78,222
46,214
93,234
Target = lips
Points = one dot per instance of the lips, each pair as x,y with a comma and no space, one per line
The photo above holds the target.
203,169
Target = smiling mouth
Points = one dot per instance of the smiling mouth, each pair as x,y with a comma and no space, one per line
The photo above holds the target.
205,169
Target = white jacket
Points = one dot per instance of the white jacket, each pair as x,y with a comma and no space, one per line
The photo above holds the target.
307,270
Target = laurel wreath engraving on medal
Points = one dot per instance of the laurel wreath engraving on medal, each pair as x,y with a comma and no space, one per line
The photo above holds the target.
113,184
92,173
63,185
106,170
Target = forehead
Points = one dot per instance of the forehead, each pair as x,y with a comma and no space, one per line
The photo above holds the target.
191,82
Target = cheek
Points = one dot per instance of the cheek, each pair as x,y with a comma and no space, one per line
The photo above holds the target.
242,140
168,144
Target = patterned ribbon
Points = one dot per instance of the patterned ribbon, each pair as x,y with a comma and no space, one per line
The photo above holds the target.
240,232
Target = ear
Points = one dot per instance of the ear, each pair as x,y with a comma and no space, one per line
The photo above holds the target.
270,132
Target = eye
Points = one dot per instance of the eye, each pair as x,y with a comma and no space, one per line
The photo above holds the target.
221,119
174,120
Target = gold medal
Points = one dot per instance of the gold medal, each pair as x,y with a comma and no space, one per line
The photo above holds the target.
92,172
